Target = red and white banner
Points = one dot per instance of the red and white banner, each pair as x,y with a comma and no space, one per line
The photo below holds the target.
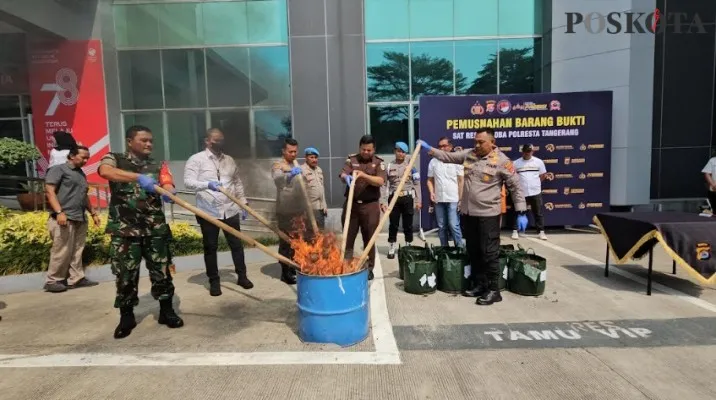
68,94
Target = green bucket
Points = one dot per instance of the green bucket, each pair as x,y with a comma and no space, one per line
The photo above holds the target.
451,269
506,252
527,273
420,276
416,252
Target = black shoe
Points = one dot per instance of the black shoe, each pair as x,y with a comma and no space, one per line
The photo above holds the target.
477,291
215,288
289,279
244,282
370,275
126,323
56,287
84,282
167,316
492,296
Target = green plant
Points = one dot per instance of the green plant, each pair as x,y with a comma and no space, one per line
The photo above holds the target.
25,242
13,152
33,187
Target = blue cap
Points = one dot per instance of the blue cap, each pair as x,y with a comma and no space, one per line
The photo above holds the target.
401,146
312,150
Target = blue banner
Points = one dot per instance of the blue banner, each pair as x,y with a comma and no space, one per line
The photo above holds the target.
570,132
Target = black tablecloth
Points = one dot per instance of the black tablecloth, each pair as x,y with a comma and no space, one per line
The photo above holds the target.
687,238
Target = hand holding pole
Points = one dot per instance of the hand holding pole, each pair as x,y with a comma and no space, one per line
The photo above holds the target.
246,238
386,215
309,210
254,214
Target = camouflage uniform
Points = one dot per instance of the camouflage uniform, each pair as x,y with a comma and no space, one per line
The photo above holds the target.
138,229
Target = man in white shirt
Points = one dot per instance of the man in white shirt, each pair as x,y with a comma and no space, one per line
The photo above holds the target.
205,172
532,172
445,183
709,172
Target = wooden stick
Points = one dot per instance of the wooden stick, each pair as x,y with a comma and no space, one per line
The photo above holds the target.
256,215
225,227
311,217
386,215
347,219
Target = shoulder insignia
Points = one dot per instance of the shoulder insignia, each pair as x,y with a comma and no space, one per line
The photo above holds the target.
382,166
510,167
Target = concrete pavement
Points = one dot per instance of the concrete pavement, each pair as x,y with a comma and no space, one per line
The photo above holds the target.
587,337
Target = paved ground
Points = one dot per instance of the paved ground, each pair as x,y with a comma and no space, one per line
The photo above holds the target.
588,337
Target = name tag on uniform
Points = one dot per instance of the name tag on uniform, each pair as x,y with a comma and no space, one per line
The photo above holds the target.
355,165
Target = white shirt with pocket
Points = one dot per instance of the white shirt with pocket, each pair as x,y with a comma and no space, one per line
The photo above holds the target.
529,172
204,167
445,177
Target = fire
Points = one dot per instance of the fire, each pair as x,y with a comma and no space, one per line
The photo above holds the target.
321,255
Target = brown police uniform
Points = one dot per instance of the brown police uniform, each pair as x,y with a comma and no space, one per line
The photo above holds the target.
316,192
289,205
365,213
405,205
481,207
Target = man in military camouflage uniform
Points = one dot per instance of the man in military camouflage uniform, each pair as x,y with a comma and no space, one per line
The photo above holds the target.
313,174
408,198
486,170
138,228
289,202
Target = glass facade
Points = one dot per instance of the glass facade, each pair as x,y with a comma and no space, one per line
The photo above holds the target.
445,47
188,66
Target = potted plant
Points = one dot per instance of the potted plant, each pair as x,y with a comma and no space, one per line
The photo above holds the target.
14,152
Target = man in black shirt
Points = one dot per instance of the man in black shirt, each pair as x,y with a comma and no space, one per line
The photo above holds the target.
66,186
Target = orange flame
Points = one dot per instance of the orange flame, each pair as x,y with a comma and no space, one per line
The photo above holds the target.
319,255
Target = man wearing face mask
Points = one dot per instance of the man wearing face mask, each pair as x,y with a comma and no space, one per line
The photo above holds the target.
206,172
486,170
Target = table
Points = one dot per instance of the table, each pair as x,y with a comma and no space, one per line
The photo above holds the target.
686,238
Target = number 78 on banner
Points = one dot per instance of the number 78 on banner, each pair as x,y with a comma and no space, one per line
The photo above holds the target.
65,88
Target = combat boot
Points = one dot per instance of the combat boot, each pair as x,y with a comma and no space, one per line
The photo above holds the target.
215,287
167,316
391,250
127,322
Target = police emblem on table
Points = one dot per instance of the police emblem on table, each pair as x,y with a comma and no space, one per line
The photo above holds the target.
703,251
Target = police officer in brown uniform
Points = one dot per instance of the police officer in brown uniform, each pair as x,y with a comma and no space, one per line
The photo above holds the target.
486,170
313,174
289,202
408,198
365,213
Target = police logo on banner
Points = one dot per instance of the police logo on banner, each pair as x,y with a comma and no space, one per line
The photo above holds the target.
703,251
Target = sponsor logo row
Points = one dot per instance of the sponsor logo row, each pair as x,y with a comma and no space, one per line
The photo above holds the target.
551,148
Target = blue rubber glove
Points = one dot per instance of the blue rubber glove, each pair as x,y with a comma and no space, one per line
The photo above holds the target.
214,185
293,172
147,183
167,199
244,215
522,222
348,179
424,145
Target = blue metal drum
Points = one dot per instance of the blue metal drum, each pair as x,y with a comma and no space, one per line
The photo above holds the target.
333,309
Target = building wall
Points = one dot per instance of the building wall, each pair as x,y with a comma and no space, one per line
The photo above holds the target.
623,64
683,103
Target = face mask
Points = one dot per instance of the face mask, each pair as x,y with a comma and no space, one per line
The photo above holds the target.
217,146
